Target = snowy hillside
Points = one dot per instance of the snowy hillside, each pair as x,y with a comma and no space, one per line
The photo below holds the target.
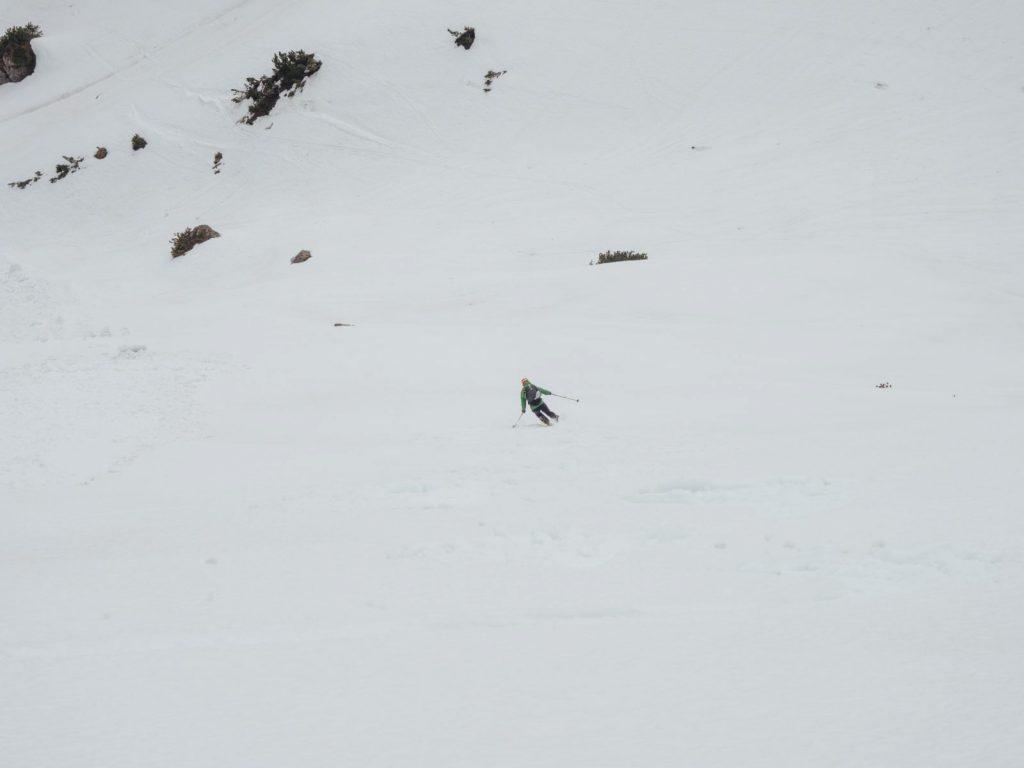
236,533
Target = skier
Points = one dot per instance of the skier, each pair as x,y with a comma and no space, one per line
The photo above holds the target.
531,393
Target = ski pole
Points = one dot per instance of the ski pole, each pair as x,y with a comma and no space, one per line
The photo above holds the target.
565,398
517,420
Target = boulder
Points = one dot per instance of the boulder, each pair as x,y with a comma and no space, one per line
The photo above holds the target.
17,61
301,256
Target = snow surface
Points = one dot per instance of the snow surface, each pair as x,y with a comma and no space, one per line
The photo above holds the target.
237,535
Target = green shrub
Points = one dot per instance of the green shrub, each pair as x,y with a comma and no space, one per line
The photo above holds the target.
26,182
464,38
64,170
291,70
490,77
20,35
138,143
609,256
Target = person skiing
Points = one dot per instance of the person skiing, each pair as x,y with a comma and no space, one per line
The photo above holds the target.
531,393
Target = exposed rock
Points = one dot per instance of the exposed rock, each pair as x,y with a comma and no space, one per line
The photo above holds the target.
138,143
217,159
464,38
301,256
101,152
205,232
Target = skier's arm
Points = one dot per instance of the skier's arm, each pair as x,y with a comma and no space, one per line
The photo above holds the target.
542,390
522,400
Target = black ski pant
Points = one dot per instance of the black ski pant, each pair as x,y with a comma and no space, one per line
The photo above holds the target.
541,411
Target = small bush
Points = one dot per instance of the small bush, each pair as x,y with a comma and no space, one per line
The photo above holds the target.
609,256
20,35
490,77
26,182
138,143
291,70
217,159
183,242
64,170
464,38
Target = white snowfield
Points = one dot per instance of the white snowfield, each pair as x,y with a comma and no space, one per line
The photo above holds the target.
233,534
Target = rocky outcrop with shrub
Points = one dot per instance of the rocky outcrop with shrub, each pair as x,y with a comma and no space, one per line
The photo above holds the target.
17,59
183,242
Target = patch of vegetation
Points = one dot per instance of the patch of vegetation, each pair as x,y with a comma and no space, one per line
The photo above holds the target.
883,385
64,170
26,182
138,143
20,35
183,242
464,38
217,158
609,256
291,70
490,77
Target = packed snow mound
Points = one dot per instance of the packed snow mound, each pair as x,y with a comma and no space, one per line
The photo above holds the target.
279,508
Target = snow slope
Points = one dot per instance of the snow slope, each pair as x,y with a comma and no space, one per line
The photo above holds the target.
237,535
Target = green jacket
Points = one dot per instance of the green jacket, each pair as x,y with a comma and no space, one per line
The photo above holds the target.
525,394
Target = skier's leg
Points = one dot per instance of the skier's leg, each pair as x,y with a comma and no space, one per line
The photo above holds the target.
541,416
548,411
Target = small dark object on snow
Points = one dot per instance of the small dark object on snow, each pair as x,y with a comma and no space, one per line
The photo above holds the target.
138,143
464,38
885,385
217,158
101,152
17,59
183,242
66,169
26,182
609,256
301,256
344,325
490,77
